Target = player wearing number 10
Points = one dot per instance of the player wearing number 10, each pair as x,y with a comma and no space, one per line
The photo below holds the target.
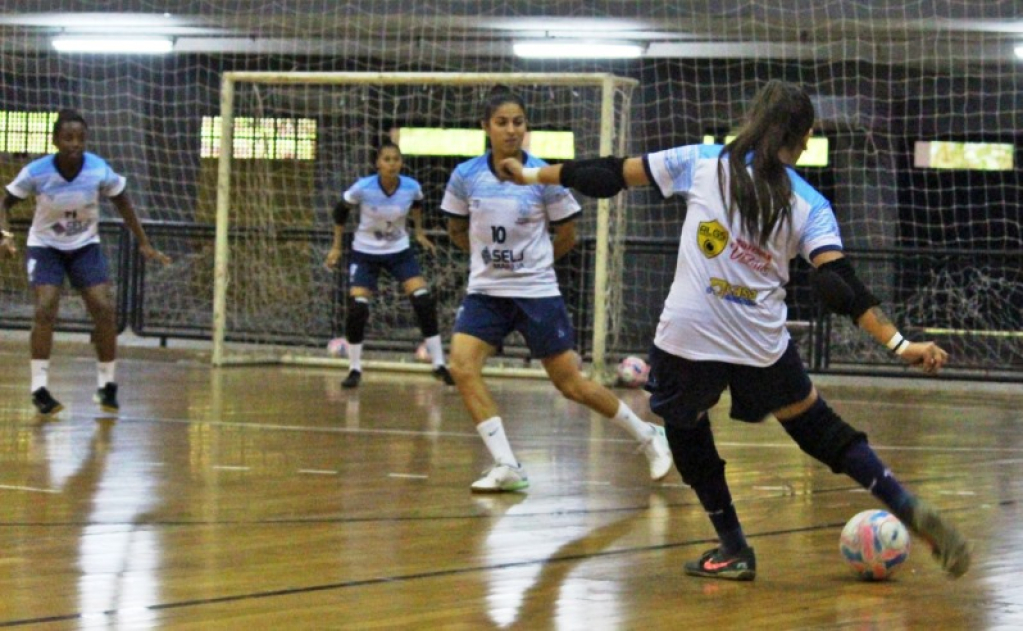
64,241
513,287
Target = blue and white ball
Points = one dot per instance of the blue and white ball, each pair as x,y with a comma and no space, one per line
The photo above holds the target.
633,372
874,543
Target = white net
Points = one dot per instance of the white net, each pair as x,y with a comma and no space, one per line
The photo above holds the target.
935,230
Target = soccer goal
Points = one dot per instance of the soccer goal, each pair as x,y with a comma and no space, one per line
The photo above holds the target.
314,134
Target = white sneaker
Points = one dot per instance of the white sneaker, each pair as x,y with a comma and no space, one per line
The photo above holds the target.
501,478
658,453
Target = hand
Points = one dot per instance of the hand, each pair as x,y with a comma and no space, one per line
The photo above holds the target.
510,169
152,254
8,247
426,244
927,355
332,258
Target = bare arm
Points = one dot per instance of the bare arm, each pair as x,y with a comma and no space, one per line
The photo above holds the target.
335,249
7,245
928,355
340,215
458,230
127,211
563,239
416,213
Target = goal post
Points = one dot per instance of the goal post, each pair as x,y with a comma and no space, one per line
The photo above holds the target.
274,303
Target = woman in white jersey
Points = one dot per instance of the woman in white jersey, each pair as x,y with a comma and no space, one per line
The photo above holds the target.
64,241
513,287
384,202
723,325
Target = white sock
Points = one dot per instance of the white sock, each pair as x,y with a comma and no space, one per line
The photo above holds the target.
40,373
627,420
436,350
492,433
355,356
105,373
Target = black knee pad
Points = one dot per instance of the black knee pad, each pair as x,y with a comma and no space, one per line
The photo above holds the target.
693,449
426,312
823,434
355,321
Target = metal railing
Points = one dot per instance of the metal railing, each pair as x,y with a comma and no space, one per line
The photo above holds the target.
970,302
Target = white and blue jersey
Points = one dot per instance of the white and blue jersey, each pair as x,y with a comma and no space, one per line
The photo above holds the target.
67,211
382,215
510,244
727,300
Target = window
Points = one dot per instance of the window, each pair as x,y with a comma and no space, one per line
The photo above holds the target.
262,138
26,132
436,141
975,156
816,154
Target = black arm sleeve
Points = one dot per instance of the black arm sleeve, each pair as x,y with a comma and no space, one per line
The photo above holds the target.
841,290
341,213
595,177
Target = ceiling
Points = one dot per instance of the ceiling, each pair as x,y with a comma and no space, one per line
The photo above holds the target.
922,32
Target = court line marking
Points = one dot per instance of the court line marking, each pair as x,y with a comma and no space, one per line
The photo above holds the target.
31,489
550,439
401,578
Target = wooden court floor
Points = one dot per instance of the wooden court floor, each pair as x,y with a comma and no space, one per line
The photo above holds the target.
269,498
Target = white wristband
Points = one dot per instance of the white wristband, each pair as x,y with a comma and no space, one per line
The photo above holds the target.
531,175
895,341
898,344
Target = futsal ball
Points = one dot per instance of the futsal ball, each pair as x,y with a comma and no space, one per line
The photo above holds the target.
633,372
422,354
874,543
337,347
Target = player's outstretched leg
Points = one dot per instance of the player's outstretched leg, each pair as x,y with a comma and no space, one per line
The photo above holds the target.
564,373
822,433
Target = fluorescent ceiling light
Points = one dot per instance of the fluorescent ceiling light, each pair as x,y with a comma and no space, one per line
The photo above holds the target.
576,50
123,45
1019,51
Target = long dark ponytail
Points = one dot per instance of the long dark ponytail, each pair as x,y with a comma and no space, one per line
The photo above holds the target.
779,117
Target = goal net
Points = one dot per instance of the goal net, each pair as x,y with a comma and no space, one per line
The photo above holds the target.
917,145
315,135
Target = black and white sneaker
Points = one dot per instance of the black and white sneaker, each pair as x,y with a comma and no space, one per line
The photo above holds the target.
107,398
441,373
45,403
352,380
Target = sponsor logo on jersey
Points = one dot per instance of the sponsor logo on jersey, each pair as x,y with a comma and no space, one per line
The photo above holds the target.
749,255
712,238
503,259
732,293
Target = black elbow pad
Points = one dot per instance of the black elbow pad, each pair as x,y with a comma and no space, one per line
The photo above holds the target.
595,177
841,290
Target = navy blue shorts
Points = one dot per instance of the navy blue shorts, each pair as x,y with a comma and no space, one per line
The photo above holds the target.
364,269
682,388
542,321
84,267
